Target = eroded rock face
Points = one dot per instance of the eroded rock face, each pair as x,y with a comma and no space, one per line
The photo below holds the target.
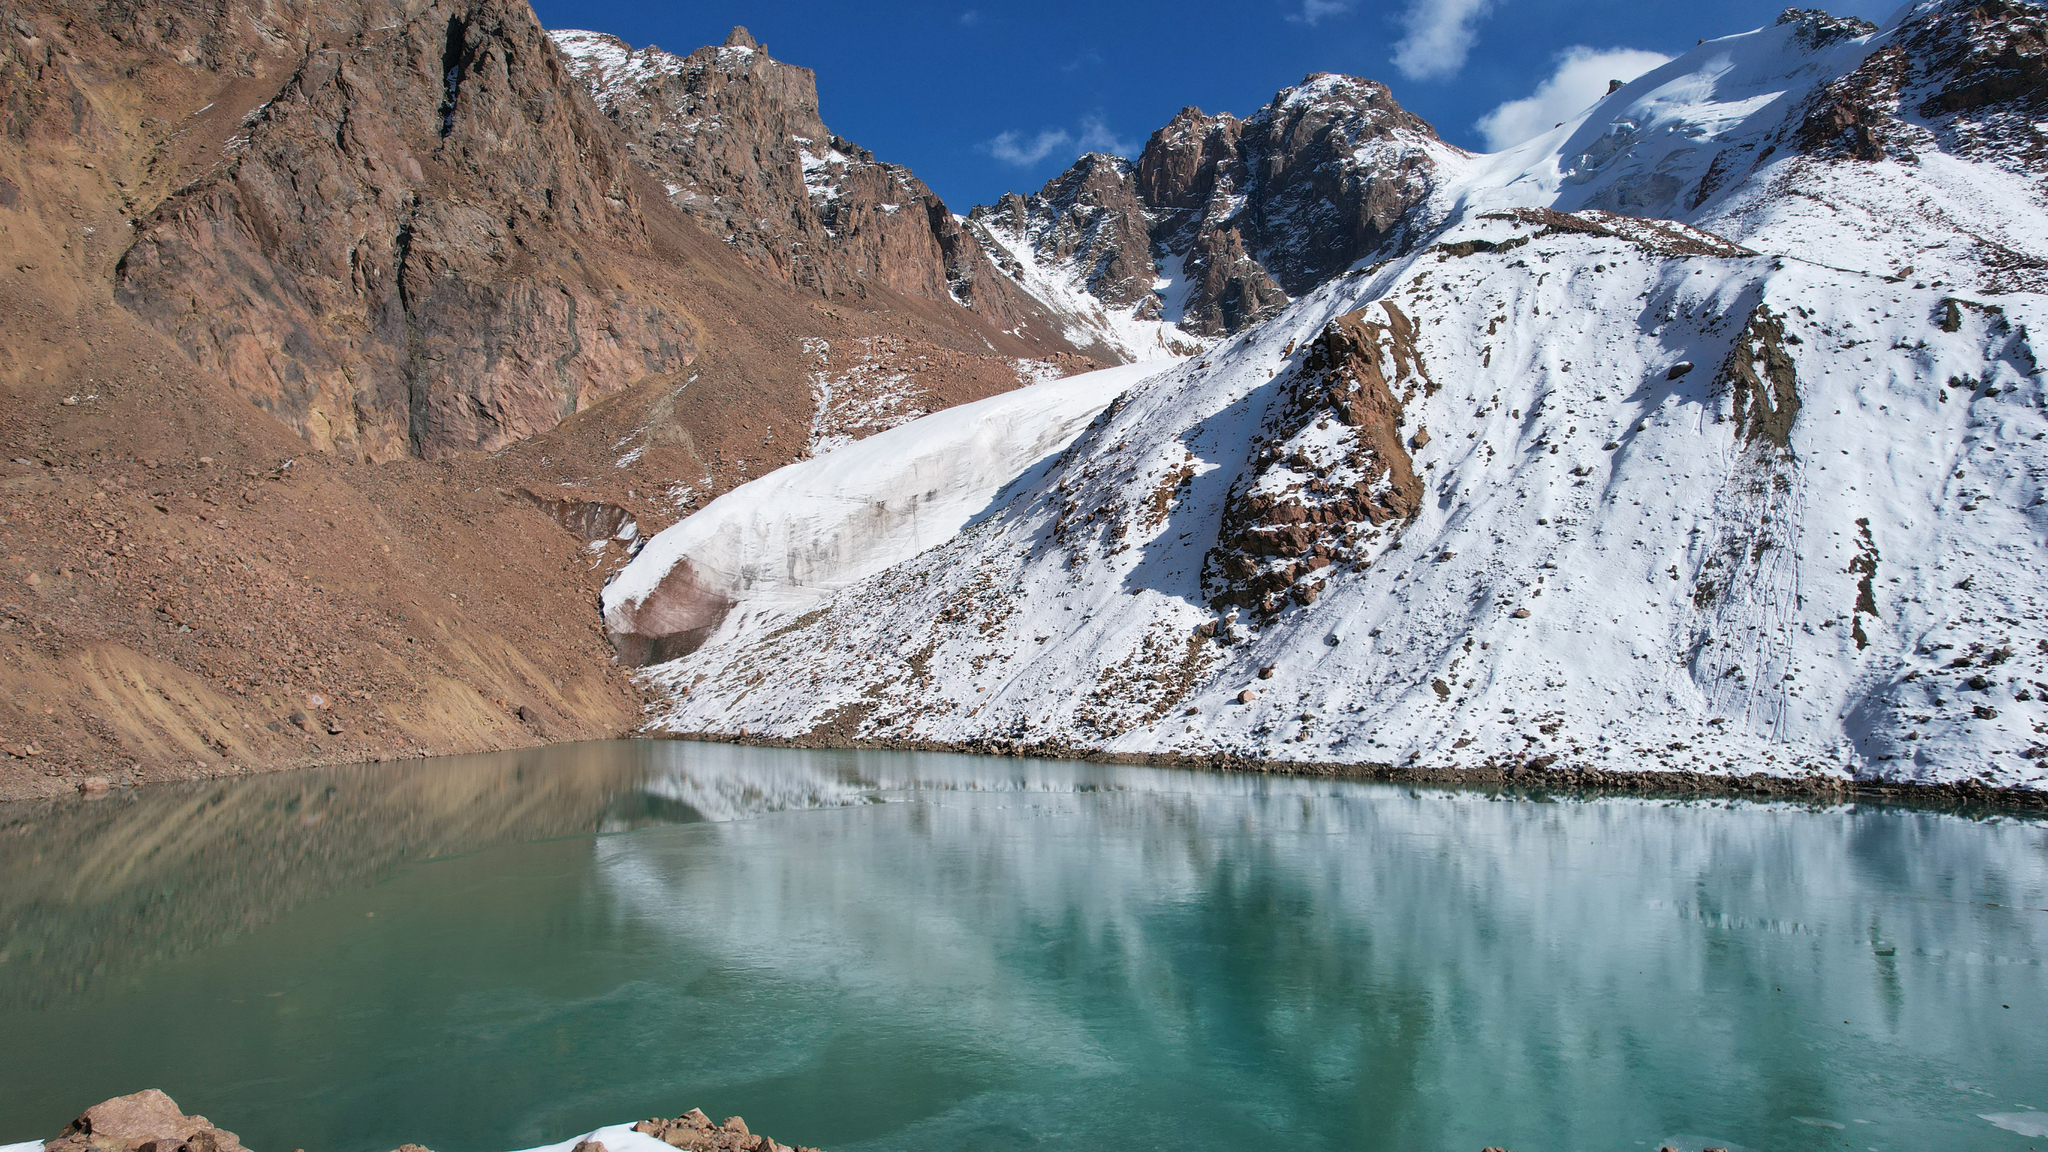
423,239
736,139
1335,473
1973,76
588,520
147,1121
1764,384
1250,211
1088,218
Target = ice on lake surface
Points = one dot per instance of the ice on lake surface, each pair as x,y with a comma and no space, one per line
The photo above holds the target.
894,950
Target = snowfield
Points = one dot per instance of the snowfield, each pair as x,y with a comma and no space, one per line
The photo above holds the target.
777,545
1677,504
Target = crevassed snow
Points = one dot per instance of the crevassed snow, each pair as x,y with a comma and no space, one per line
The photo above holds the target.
780,543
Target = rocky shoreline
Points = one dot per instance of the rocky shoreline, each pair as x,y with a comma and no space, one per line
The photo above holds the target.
150,1121
1541,775
1538,776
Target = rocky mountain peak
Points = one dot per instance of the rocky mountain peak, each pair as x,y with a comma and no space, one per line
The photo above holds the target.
1816,28
1246,211
336,262
736,139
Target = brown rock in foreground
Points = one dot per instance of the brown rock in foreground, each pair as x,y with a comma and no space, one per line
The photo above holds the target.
147,1121
693,1130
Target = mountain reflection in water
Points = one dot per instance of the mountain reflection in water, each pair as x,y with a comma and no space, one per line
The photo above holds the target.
971,952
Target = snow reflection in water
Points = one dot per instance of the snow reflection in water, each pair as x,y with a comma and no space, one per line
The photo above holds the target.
878,950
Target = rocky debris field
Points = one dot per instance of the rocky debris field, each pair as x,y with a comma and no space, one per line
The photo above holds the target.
188,591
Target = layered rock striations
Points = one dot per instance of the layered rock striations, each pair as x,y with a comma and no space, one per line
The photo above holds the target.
418,237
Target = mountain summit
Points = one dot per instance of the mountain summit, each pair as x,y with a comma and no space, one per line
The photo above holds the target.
1221,220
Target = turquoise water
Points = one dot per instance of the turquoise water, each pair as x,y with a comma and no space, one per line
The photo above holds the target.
896,951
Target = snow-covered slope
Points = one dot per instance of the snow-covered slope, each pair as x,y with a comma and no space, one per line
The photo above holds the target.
772,548
1917,150
1573,489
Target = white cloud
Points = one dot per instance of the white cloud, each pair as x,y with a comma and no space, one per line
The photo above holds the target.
1440,35
1581,78
1313,11
1095,136
1012,148
971,17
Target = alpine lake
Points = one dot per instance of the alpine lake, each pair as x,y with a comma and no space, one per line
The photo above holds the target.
868,950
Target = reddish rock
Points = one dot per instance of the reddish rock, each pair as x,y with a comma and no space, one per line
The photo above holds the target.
735,137
147,1120
1255,209
694,1132
1285,520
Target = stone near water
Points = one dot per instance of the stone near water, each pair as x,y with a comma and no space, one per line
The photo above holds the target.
145,1121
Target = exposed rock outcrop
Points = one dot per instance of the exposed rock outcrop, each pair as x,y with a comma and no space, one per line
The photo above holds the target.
693,1131
1335,471
736,138
1088,219
147,1121
419,237
1221,219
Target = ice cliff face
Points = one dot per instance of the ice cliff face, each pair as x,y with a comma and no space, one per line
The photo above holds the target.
771,549
1735,491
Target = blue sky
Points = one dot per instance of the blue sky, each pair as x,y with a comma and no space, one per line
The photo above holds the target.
981,97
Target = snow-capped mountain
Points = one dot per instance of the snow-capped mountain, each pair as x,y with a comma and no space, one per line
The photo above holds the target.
1762,485
1220,219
